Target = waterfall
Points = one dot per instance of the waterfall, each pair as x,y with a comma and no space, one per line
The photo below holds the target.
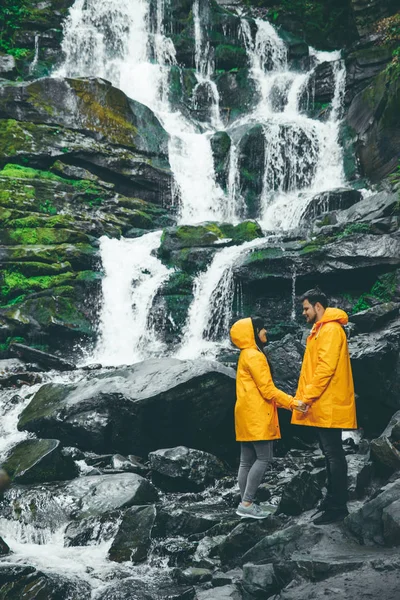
132,277
211,310
34,63
120,42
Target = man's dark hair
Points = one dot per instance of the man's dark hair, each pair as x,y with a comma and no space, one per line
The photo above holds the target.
315,295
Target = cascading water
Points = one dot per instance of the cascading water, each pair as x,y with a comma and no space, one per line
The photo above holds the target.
120,42
210,312
132,277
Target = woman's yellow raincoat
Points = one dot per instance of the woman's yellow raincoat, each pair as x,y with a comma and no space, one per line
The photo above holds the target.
326,380
257,398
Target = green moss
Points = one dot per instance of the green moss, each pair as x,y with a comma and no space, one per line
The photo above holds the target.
26,454
41,236
354,228
14,284
43,403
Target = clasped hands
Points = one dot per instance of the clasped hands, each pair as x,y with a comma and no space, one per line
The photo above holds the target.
300,406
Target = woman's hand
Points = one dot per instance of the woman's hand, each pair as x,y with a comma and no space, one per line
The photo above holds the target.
300,406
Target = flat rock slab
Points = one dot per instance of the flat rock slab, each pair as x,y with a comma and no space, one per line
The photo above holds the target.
39,461
101,493
156,403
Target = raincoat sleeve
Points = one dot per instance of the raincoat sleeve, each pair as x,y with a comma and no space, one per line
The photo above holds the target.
261,374
329,346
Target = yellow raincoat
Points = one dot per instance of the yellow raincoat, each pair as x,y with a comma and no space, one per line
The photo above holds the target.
257,398
326,380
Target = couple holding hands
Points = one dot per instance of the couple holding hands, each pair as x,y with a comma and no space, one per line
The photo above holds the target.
324,400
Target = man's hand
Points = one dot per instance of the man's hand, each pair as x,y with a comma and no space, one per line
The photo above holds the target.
300,406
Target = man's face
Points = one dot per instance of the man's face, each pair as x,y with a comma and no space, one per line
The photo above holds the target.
309,312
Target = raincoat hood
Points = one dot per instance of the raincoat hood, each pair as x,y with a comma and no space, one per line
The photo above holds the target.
334,314
242,334
330,315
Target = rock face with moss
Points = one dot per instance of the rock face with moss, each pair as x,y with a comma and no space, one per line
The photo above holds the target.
68,178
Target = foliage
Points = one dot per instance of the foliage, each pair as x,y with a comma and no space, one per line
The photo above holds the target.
354,228
382,291
389,30
12,13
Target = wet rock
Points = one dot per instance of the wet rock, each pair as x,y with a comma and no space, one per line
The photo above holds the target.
259,581
359,476
367,522
244,536
226,592
282,544
391,524
365,60
120,463
221,145
93,106
375,317
14,372
206,555
300,494
339,199
184,469
156,403
133,539
26,582
385,449
172,521
370,208
5,481
128,589
322,83
193,575
251,159
360,584
373,117
8,67
94,495
4,548
237,93
92,530
376,374
49,361
234,576
36,461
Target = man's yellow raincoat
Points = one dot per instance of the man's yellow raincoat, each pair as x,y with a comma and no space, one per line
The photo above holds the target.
326,380
257,398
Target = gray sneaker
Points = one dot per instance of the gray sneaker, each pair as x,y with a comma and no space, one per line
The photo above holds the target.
253,511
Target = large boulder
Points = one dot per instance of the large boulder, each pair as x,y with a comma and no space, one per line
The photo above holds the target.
184,469
133,538
96,494
367,523
37,461
92,106
384,449
338,199
299,494
373,115
160,402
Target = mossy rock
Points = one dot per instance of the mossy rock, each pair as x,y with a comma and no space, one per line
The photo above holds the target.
189,236
221,145
243,232
230,57
41,236
39,461
238,92
79,256
90,105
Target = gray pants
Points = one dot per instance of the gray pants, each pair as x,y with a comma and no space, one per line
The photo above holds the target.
254,459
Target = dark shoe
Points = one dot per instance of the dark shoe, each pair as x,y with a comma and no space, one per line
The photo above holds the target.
321,507
331,516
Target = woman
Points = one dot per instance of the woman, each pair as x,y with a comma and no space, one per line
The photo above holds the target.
256,415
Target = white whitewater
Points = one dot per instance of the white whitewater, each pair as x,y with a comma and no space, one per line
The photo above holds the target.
120,42
211,310
298,149
132,278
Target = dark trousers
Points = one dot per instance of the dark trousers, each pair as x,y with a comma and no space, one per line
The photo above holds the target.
330,441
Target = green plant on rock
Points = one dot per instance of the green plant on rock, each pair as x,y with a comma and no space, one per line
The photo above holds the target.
12,13
355,228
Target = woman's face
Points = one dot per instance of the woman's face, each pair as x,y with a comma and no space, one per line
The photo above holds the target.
262,336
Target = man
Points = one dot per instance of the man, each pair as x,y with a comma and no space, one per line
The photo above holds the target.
326,385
